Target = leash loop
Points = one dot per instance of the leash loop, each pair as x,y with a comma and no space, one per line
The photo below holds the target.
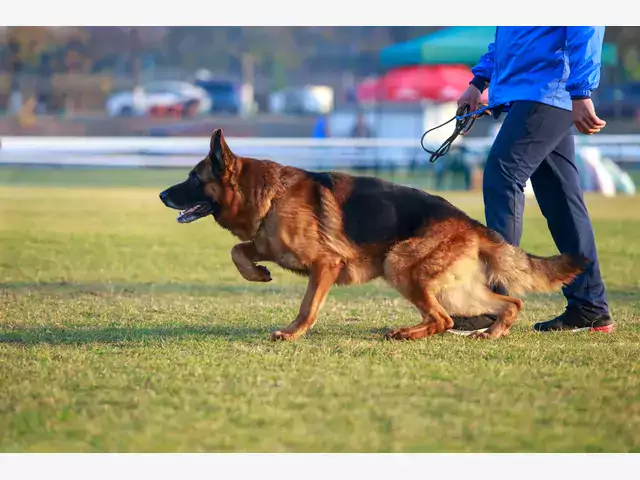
464,122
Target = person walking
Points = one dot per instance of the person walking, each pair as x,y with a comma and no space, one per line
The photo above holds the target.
542,78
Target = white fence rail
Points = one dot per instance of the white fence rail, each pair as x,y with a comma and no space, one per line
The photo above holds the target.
301,152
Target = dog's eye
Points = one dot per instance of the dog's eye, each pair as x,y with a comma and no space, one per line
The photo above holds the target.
194,179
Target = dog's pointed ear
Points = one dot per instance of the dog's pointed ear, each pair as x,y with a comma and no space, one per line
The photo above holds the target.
219,152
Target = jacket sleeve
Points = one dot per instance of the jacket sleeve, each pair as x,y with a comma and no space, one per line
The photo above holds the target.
584,47
483,70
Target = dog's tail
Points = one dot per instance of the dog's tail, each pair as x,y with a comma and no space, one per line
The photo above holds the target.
520,272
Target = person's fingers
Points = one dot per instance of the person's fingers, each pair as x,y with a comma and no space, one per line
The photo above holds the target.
594,123
599,122
581,126
589,120
588,114
585,118
464,98
590,131
470,97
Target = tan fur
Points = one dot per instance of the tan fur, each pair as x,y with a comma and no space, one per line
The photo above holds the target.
447,268
520,272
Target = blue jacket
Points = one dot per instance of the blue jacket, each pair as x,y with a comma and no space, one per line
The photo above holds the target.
551,65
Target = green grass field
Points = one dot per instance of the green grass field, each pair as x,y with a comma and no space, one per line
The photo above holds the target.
121,330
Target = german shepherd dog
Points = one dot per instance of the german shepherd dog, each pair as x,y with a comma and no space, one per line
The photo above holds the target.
340,229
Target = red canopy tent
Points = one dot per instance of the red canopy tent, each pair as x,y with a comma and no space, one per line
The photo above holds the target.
438,83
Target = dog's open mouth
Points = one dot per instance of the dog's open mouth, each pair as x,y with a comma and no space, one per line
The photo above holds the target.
194,213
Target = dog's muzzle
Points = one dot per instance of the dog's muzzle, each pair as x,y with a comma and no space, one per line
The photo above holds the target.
187,214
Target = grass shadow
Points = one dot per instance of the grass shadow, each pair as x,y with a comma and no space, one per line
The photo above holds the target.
124,335
98,288
372,290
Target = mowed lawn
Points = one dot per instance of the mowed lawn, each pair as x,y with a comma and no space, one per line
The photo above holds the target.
121,330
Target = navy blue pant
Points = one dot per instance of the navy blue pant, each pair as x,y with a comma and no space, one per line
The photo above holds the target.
536,141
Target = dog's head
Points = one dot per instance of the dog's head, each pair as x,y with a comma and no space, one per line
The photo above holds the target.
200,194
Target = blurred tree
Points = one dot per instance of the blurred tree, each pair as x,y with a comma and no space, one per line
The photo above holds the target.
276,47
25,43
627,40
283,55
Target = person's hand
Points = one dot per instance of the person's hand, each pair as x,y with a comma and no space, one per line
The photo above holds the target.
585,118
471,97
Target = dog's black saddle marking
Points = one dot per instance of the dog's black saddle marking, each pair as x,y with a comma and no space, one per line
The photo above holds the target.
378,211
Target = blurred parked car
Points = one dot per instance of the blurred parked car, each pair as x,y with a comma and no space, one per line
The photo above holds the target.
310,100
192,99
224,94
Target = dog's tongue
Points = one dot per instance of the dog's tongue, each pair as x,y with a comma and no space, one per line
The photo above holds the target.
189,215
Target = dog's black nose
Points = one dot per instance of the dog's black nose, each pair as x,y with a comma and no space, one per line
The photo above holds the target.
163,196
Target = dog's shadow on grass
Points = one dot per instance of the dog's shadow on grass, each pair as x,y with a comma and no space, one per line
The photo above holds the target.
125,335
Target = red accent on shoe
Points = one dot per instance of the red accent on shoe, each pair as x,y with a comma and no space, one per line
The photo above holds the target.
604,328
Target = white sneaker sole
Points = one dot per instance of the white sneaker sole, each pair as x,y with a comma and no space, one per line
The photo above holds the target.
466,333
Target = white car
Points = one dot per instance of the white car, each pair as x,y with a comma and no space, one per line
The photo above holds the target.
158,94
302,100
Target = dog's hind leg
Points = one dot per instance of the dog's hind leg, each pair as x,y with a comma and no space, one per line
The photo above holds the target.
416,268
321,277
507,315
244,256
470,296
434,319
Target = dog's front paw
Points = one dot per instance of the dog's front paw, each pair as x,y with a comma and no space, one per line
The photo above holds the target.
257,274
398,334
280,335
264,274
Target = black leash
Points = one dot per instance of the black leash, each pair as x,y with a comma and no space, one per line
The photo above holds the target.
464,122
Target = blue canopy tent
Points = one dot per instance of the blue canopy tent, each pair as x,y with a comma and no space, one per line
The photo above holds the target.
455,45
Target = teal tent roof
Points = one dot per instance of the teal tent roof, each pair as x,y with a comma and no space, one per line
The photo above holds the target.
454,45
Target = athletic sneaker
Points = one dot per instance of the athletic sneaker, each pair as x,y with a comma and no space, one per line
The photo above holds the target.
468,325
576,319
